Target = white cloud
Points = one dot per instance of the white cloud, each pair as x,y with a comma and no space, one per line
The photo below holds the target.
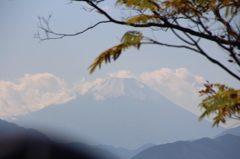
83,86
178,85
34,92
31,93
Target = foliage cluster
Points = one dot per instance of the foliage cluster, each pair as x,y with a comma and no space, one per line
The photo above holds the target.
222,100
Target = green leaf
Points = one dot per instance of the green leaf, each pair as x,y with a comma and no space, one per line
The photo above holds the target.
132,37
225,102
129,39
143,19
142,5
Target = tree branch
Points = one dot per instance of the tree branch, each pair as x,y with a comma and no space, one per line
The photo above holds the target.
195,50
48,30
162,25
201,32
216,62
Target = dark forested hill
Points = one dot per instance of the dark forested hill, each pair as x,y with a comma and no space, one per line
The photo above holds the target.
224,147
20,143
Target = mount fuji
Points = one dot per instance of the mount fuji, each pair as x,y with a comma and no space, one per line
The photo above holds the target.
120,112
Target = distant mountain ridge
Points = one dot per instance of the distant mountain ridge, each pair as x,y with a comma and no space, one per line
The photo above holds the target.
224,147
124,153
131,117
232,131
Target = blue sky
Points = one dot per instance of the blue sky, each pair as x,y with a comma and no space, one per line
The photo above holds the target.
68,59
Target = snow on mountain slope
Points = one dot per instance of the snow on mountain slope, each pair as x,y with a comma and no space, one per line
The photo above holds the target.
128,87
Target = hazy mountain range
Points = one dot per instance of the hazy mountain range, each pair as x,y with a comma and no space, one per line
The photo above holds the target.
233,131
224,145
20,143
124,153
119,112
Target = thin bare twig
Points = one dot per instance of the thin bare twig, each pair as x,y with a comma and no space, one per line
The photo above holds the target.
46,28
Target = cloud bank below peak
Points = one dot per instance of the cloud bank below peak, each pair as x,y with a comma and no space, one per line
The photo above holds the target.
33,92
177,81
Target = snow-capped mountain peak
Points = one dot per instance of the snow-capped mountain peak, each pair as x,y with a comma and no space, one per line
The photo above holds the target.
116,87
